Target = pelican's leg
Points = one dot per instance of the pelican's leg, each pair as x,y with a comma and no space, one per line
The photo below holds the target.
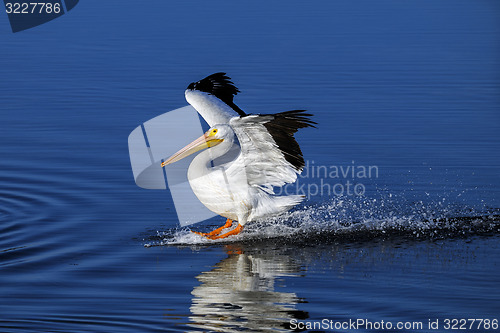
233,232
215,232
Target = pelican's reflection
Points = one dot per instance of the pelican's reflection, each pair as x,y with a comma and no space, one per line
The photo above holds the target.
239,293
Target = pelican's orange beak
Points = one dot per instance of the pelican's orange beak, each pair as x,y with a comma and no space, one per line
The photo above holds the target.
202,142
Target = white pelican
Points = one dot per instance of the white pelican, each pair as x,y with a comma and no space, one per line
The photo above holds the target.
242,189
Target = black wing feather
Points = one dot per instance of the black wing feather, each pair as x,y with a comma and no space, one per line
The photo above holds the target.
282,128
219,85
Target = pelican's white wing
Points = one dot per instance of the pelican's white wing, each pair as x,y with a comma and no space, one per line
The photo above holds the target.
270,154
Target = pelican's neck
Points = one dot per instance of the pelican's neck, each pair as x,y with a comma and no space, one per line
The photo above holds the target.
200,165
212,109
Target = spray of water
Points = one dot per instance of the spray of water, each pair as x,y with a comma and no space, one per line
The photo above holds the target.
354,219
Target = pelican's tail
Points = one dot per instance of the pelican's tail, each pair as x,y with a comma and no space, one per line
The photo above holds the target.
285,203
272,205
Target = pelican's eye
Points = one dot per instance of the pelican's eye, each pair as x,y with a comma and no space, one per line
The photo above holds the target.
212,132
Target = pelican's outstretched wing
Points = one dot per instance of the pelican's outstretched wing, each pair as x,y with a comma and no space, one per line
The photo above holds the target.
270,154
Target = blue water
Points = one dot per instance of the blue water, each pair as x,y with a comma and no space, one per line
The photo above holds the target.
409,87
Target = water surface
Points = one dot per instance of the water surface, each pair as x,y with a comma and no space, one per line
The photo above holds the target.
411,88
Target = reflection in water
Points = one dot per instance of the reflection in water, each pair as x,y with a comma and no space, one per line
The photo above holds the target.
239,293
249,290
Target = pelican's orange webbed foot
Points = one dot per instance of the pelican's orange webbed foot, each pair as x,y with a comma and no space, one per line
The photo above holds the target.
215,232
233,232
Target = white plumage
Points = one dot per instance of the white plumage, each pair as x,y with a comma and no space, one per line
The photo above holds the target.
264,162
268,156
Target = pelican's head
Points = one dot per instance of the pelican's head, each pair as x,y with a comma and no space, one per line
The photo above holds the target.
211,138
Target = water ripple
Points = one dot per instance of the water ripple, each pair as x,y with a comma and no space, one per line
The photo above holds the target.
36,212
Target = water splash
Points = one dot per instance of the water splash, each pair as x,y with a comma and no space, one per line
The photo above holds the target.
354,219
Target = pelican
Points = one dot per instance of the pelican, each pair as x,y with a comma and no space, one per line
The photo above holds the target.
268,156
